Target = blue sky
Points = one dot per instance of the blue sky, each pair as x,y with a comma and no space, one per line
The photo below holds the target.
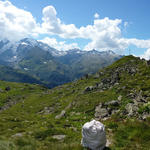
119,24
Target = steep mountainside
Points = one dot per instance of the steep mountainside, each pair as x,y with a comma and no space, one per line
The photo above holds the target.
32,117
50,65
14,75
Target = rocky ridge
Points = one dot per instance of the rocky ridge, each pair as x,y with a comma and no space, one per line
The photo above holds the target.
138,105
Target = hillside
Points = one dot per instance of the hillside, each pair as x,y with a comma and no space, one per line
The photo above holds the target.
33,117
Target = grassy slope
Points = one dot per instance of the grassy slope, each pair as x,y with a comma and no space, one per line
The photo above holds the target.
37,129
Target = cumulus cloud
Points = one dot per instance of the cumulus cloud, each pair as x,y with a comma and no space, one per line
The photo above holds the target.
54,26
15,23
104,34
62,45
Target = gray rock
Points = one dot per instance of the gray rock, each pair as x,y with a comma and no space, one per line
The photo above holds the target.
62,114
105,110
17,135
131,109
47,110
106,81
113,103
119,97
145,116
1,90
59,137
101,113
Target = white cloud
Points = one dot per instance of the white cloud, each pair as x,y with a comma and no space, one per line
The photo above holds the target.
62,45
146,54
15,23
139,43
96,15
104,34
53,25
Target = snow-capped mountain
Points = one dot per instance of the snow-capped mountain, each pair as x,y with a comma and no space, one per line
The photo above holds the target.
9,51
51,65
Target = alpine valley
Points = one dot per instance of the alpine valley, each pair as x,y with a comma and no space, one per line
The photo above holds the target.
48,66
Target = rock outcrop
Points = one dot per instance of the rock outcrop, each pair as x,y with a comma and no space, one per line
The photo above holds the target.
105,110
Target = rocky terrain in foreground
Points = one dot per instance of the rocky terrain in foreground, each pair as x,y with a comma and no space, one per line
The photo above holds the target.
37,118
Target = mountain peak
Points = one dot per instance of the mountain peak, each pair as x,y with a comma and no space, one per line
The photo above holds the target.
29,41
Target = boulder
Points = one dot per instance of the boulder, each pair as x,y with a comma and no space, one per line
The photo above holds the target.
101,112
93,135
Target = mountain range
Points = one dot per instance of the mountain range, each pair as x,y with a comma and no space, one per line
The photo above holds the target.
52,67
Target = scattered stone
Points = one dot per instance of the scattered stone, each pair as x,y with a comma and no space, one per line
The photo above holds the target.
108,143
78,113
119,97
72,113
131,109
145,116
47,110
17,135
62,114
1,90
59,137
74,129
113,103
9,103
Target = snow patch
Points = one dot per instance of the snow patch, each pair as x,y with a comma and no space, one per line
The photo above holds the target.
23,43
26,69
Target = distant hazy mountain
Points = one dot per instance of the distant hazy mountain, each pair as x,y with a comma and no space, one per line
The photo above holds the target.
50,65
